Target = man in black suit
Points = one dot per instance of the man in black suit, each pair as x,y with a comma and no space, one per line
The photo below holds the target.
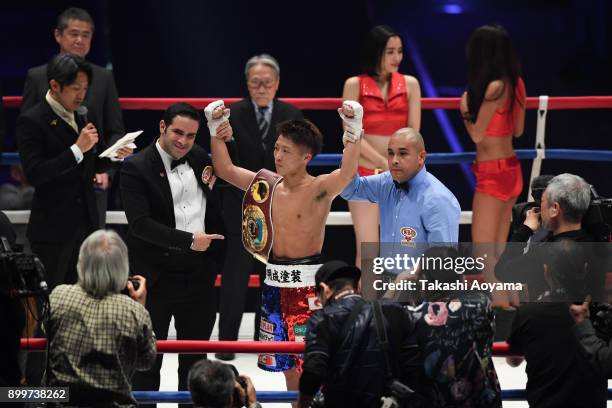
174,224
254,121
56,147
73,34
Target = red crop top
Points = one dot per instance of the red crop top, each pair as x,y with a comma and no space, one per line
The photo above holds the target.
504,118
380,118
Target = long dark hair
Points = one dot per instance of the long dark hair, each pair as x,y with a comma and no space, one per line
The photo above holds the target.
490,56
374,47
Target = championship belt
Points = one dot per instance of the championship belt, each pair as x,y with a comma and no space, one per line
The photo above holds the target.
257,229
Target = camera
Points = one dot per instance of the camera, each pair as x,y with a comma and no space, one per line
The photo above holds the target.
601,318
401,396
598,219
21,274
519,211
135,282
318,401
238,400
135,285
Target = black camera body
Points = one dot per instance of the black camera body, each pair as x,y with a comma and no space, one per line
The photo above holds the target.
598,219
519,210
601,318
239,402
135,282
401,396
21,274
135,285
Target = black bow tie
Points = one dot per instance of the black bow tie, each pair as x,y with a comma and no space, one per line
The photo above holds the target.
178,162
402,186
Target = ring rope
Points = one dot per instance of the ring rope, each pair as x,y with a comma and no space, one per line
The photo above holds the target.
250,347
282,396
554,102
334,159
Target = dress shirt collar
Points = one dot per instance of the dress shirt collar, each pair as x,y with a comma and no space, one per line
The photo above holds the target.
417,179
166,158
59,109
268,111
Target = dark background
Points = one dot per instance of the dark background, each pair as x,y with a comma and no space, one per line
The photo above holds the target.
199,48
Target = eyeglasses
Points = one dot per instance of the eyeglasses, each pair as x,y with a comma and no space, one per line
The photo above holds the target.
256,83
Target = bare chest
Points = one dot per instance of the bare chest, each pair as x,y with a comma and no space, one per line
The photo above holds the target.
299,210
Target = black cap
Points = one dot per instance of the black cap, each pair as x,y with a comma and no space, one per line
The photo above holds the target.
332,270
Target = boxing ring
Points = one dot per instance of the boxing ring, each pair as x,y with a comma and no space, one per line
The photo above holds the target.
500,349
539,153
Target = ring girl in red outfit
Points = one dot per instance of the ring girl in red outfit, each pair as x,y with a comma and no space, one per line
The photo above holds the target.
391,101
493,109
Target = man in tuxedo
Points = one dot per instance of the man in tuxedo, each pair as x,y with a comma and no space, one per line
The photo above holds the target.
174,224
57,151
254,121
73,34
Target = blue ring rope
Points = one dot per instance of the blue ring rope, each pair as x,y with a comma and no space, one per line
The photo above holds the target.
281,396
333,159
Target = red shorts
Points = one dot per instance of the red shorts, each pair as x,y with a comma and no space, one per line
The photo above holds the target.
364,171
502,179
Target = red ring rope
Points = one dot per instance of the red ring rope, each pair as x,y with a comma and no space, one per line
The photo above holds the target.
202,346
554,102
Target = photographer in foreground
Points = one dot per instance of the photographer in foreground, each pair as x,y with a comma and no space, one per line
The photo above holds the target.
213,384
564,204
599,352
357,363
99,337
559,374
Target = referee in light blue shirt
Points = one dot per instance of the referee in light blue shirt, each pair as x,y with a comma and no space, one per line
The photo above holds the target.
415,207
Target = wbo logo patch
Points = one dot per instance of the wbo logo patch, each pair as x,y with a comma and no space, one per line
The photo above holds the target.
408,235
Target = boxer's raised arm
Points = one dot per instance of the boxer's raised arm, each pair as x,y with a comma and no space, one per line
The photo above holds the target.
217,117
352,115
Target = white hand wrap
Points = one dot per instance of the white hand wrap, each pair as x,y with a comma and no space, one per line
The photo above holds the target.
354,126
213,124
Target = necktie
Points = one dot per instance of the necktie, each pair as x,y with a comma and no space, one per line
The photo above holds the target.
178,162
263,124
402,186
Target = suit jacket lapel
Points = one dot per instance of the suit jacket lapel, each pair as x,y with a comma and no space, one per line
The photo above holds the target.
159,172
198,169
64,132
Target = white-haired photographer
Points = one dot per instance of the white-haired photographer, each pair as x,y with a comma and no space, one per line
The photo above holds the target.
98,337
565,202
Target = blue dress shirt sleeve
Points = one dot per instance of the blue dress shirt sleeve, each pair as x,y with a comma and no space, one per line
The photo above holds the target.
365,188
441,219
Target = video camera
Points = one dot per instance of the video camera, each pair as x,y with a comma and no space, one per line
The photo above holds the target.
21,274
519,210
598,219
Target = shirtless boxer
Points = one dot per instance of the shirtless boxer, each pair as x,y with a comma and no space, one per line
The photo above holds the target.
301,204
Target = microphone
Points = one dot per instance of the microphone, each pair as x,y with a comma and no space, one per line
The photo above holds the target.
82,112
